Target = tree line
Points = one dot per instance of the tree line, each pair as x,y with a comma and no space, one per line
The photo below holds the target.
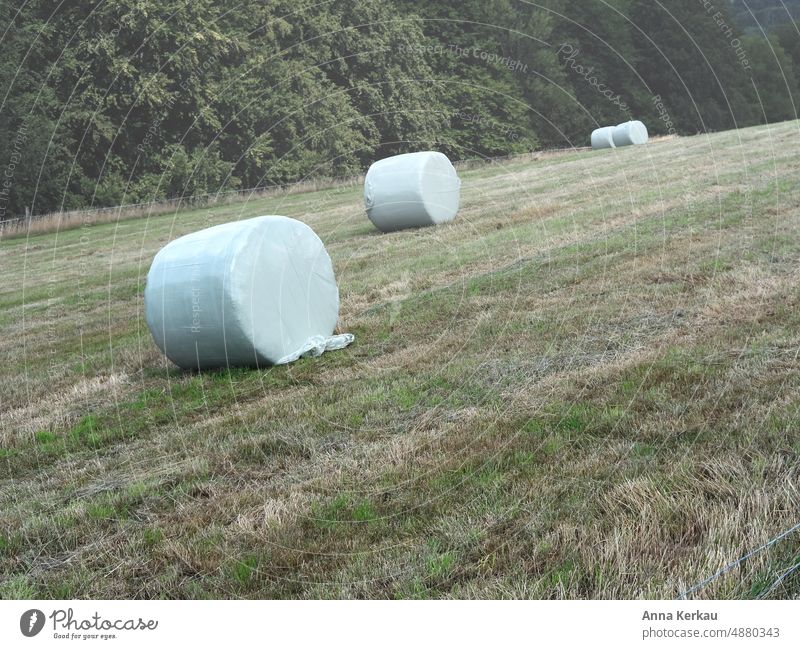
126,101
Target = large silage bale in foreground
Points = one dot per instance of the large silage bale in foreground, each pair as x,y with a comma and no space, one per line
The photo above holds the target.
411,190
603,138
630,133
250,293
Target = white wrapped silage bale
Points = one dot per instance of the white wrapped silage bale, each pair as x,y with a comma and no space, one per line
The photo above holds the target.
603,138
249,293
412,190
629,133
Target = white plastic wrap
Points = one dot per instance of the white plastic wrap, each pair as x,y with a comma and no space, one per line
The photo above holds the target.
412,190
630,133
603,138
249,293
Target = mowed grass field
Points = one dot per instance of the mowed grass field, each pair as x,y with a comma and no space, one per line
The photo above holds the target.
586,386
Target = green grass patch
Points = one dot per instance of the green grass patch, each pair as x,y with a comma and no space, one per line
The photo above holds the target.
152,536
46,437
244,570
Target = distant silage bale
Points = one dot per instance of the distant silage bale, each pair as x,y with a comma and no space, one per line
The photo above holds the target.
603,138
630,133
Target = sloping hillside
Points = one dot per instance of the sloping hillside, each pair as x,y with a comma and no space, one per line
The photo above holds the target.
585,386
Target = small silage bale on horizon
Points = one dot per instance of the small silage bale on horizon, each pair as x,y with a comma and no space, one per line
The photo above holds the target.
603,138
625,134
630,133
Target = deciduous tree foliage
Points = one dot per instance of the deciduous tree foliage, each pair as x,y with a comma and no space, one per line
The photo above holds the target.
121,101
